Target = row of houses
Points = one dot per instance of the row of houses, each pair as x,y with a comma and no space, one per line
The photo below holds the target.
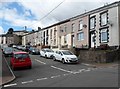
14,38
88,30
91,29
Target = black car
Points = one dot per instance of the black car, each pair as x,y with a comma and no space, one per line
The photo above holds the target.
33,50
8,51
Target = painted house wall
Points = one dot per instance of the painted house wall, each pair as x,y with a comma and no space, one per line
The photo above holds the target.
113,26
85,42
64,30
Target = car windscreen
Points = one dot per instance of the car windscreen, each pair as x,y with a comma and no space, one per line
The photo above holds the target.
19,56
67,53
49,50
34,49
8,49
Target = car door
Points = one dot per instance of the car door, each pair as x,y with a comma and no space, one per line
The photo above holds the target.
59,56
56,55
42,52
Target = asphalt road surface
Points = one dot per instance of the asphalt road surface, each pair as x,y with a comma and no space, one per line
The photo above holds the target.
49,73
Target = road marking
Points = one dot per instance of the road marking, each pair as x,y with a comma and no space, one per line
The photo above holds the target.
10,85
40,61
61,69
27,82
55,76
66,74
41,79
87,70
81,70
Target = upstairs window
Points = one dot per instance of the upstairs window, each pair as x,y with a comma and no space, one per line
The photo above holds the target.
80,25
103,19
92,22
61,30
65,27
73,27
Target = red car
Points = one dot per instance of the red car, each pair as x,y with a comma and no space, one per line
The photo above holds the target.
20,59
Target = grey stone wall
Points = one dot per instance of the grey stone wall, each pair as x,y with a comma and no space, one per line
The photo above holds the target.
98,56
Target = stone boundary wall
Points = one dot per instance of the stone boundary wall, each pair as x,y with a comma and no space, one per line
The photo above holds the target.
97,56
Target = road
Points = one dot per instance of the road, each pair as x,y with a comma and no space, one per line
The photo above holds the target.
49,73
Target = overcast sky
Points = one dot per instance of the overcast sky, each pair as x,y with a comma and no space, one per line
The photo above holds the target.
33,13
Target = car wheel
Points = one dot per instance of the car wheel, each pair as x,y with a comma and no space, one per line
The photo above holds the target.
30,67
63,61
54,58
45,56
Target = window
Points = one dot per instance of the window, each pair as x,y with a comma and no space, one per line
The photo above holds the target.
103,19
92,23
61,29
65,39
51,34
80,25
65,27
73,27
80,36
104,35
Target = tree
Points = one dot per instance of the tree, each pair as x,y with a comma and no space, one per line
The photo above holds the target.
10,31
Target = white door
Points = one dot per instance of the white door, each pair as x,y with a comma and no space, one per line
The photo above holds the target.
73,41
92,40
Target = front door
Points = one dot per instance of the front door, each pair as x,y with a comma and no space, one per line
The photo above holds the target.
73,41
92,40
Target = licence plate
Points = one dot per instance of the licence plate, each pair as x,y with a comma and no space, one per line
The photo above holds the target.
22,60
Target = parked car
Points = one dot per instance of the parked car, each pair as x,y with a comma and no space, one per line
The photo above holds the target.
8,51
65,56
33,50
20,59
47,53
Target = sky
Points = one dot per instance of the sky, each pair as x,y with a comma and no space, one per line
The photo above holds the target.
17,14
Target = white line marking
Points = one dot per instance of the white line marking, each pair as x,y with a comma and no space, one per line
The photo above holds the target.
10,85
40,61
66,74
81,70
55,76
41,79
86,70
61,69
27,82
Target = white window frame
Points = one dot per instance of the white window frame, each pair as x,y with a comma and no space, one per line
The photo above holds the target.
65,27
80,24
65,39
92,23
73,27
104,31
103,19
80,37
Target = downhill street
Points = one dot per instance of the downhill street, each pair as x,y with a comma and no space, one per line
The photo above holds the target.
49,73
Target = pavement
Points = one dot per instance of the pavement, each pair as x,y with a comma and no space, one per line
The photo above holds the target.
6,74
103,65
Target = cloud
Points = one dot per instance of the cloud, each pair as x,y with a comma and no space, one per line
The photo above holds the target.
67,9
35,10
1,30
